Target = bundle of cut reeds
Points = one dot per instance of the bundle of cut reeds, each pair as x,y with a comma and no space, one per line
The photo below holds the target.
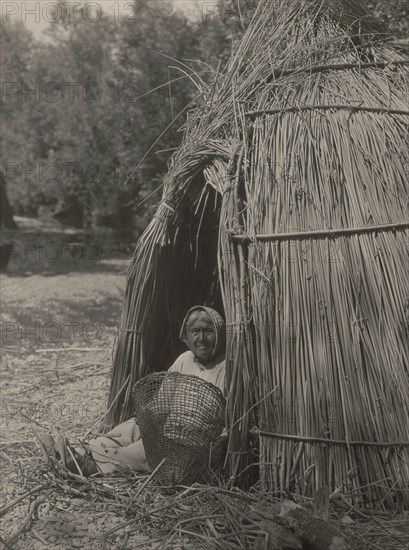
304,138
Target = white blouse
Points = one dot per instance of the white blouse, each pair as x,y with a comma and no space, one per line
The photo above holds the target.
214,372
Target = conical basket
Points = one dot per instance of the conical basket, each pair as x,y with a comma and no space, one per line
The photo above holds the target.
179,417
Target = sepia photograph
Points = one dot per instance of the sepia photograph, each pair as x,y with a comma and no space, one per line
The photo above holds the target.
204,275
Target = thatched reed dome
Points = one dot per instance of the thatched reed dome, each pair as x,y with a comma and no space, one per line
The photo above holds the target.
287,206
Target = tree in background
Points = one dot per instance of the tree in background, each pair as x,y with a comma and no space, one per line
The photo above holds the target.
74,142
6,214
152,91
394,14
17,50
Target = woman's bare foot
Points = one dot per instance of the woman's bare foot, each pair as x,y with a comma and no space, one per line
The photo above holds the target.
76,462
60,450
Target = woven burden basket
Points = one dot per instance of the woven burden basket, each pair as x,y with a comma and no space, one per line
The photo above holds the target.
179,417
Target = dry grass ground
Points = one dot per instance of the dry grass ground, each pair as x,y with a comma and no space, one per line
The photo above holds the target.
52,307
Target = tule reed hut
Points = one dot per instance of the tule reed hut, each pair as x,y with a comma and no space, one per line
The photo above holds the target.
287,208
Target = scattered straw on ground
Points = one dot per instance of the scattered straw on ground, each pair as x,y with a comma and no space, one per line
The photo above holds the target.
133,512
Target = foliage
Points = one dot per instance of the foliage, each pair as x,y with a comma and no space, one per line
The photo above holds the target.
88,119
394,14
17,47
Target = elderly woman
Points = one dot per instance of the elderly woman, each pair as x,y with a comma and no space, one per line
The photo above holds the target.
121,449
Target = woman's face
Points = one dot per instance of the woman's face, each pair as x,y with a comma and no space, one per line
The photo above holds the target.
201,336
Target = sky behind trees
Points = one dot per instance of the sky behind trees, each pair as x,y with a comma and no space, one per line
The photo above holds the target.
36,14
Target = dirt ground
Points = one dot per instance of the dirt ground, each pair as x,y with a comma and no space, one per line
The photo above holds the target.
58,326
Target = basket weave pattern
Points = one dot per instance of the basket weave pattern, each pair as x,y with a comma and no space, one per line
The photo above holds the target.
179,417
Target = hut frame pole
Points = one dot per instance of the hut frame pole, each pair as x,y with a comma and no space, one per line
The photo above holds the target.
321,440
321,233
337,67
356,108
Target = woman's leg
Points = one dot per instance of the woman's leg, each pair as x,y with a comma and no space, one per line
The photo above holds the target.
120,449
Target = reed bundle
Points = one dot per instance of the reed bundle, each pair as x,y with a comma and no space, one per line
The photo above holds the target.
305,132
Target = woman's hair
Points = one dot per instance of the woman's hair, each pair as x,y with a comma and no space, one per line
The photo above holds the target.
215,318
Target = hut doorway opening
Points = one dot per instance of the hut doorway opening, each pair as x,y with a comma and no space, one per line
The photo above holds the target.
190,276
172,270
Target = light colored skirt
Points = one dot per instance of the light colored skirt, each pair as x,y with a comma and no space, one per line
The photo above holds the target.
120,450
